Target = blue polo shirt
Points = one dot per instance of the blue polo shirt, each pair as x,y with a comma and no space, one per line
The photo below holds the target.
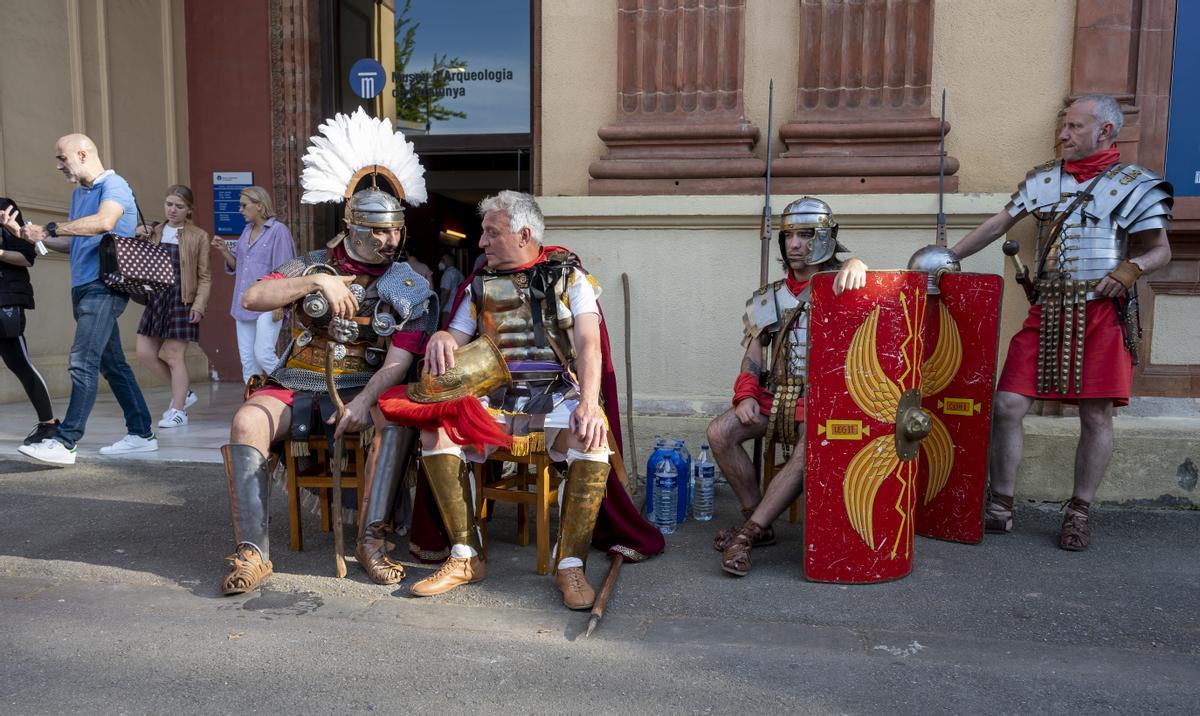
85,201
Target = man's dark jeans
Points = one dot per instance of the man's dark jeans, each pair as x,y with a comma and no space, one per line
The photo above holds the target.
97,349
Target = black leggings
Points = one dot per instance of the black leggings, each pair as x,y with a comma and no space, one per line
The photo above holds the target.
16,357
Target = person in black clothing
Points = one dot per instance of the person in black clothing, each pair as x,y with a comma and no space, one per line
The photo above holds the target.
16,296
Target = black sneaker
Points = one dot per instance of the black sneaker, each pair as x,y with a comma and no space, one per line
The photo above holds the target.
42,431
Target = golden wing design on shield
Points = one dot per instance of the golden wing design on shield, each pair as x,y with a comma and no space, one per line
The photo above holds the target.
939,457
864,475
943,365
936,374
875,394
870,388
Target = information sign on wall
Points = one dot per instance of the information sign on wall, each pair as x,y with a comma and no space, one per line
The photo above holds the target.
463,67
227,189
367,78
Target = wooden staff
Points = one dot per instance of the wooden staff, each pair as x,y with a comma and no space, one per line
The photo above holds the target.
633,461
606,590
338,453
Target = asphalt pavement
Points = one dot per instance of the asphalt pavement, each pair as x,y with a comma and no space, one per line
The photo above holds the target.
109,573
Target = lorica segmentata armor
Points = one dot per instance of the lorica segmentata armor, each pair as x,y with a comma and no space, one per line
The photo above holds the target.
1094,239
779,320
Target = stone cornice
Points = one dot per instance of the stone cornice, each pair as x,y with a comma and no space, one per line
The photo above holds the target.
853,211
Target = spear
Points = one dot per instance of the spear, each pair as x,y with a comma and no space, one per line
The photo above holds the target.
765,256
606,590
941,216
764,260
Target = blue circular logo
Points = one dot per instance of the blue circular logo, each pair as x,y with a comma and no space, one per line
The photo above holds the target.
367,78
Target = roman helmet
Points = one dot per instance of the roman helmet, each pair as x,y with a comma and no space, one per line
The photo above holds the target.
362,161
370,209
811,213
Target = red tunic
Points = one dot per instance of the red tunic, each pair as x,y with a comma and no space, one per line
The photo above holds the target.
1107,364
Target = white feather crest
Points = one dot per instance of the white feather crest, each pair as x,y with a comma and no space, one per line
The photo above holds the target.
349,143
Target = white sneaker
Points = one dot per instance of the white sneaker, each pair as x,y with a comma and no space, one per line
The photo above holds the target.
131,443
173,419
51,451
188,402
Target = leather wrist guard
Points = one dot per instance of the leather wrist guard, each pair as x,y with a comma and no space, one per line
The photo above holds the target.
1127,273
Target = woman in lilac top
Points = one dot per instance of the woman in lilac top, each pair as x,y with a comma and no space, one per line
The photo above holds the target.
264,244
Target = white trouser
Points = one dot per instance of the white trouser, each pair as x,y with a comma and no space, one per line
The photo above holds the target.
256,345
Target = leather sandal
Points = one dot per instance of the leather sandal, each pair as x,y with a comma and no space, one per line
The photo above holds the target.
735,559
998,515
1076,533
248,570
373,557
725,537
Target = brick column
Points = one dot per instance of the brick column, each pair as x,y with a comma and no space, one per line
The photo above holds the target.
295,111
863,121
681,126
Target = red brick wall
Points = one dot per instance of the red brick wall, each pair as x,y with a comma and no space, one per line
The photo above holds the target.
229,121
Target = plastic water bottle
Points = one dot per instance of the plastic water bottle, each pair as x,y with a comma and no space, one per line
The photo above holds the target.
705,474
662,451
665,495
683,466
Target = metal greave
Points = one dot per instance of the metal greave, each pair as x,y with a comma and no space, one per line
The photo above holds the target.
397,446
451,487
249,495
586,482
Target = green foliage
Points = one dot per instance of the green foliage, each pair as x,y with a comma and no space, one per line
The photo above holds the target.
419,94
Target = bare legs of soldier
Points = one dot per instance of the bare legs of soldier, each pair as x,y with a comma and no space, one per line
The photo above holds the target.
453,490
726,436
259,422
1092,455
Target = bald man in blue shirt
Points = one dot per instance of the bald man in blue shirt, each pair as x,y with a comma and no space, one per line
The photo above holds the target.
101,203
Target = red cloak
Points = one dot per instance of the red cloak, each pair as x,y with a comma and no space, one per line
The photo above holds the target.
620,526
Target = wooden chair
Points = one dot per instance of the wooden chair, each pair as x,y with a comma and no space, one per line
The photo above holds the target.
770,469
533,471
316,475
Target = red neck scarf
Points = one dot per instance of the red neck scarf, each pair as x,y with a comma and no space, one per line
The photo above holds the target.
1089,167
794,284
339,257
546,251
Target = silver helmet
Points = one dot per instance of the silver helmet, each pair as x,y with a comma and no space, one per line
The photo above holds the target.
811,213
371,209
935,261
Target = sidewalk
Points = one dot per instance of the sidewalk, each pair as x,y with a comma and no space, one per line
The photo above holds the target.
108,604
198,441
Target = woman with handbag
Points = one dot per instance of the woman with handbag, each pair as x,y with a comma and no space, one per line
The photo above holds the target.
172,317
16,296
264,244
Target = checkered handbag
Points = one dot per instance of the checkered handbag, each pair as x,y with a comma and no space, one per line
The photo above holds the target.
135,266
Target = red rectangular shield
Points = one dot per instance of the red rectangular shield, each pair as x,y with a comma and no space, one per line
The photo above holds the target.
962,331
864,358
